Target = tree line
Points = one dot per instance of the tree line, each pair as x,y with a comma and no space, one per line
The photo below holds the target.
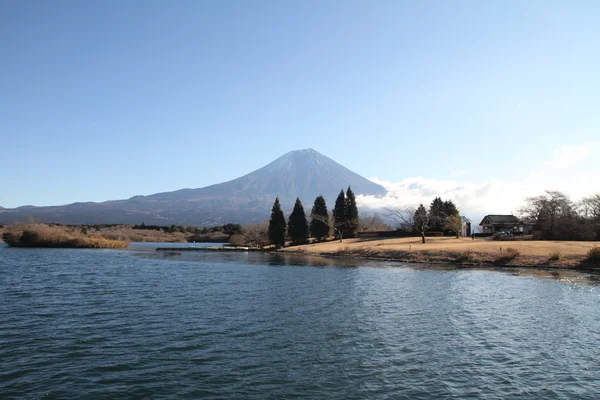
226,229
344,220
442,216
553,216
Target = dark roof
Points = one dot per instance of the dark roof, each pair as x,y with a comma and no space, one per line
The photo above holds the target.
501,219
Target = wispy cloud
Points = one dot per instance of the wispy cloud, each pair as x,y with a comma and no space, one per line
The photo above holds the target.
563,158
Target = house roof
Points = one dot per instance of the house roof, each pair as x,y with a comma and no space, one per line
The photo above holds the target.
501,219
465,219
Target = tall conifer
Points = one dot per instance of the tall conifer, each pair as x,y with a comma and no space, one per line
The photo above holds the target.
319,222
339,214
277,225
437,215
297,224
351,214
450,209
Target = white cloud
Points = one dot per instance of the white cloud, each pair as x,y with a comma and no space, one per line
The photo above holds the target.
480,198
562,172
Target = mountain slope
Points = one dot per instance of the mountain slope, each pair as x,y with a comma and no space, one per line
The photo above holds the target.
300,173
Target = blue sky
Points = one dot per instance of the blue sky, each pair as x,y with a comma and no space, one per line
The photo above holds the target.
108,99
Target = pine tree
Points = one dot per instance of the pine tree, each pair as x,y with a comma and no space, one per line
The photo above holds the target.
437,216
319,223
297,224
351,214
450,209
339,215
277,225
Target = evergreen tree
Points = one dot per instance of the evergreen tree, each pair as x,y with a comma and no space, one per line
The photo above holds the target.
437,216
339,214
449,208
319,223
297,224
277,225
351,214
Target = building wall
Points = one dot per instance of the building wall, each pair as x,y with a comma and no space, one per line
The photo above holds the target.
491,228
466,229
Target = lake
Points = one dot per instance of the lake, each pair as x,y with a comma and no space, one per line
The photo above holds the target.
137,324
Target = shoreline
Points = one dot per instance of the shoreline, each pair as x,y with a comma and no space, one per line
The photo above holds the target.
463,253
449,262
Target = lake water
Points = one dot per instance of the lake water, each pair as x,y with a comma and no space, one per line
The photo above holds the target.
137,324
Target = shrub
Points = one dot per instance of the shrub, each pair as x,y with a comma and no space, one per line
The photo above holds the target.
496,236
593,255
537,235
237,240
510,254
466,255
11,238
516,237
556,256
29,238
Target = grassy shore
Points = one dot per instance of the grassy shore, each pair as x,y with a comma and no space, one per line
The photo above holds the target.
464,251
124,233
128,234
42,235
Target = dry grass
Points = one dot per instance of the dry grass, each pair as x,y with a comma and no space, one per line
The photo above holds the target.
123,233
42,235
556,256
509,254
128,234
446,249
465,256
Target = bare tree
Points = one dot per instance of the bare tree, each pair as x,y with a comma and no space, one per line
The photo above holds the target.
411,219
371,221
542,213
589,207
256,234
454,223
403,217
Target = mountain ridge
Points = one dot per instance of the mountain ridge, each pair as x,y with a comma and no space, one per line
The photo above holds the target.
299,173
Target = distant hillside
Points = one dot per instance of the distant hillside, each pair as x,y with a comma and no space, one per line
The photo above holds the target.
300,173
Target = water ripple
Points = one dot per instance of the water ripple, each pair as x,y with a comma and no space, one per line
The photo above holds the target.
80,324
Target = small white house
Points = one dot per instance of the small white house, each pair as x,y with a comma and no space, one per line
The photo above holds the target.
466,227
